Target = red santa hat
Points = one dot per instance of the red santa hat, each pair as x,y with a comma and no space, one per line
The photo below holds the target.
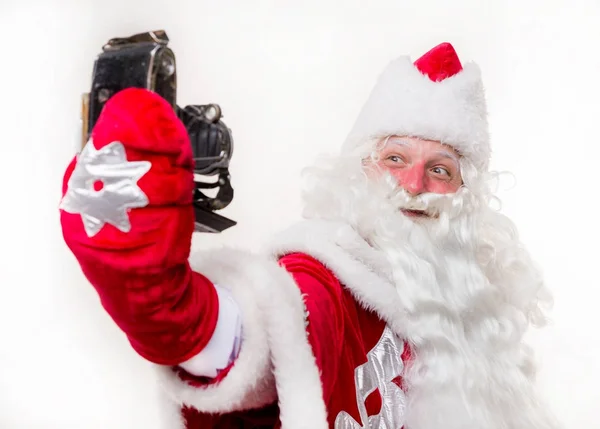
434,98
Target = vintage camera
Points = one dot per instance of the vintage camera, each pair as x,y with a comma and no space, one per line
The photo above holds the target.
145,61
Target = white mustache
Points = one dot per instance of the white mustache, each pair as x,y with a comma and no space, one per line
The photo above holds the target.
432,204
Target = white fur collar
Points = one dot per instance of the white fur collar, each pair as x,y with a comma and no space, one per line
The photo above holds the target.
364,271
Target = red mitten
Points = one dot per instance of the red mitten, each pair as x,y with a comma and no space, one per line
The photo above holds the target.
127,216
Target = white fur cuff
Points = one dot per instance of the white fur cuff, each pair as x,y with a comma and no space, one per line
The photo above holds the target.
275,361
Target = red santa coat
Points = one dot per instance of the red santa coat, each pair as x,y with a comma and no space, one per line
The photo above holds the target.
359,359
344,371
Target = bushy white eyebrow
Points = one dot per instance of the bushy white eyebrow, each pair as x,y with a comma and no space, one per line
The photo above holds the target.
398,141
450,156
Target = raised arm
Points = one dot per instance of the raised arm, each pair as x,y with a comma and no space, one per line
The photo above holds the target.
127,217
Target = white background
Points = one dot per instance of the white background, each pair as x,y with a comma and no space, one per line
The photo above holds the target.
291,77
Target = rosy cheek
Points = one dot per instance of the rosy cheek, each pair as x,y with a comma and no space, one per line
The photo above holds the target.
411,178
380,168
399,174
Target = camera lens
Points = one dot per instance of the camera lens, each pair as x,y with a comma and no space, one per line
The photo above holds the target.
211,141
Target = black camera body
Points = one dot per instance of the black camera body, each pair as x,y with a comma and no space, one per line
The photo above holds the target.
144,60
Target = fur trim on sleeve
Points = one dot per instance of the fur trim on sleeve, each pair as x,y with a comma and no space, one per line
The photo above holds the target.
275,361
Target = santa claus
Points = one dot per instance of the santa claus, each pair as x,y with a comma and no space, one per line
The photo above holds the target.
400,301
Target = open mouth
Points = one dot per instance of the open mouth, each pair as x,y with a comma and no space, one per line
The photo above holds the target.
414,213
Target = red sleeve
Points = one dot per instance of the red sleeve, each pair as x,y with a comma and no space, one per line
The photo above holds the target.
323,298
141,271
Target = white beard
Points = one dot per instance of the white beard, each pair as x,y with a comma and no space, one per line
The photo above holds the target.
469,291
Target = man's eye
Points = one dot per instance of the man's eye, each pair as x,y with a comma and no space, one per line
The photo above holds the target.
441,171
395,158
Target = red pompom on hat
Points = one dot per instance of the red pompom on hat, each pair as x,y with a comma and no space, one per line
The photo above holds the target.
439,63
434,98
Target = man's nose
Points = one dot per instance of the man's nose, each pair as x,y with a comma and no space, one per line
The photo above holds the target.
412,180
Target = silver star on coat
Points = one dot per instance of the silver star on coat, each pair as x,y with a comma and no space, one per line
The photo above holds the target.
103,187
